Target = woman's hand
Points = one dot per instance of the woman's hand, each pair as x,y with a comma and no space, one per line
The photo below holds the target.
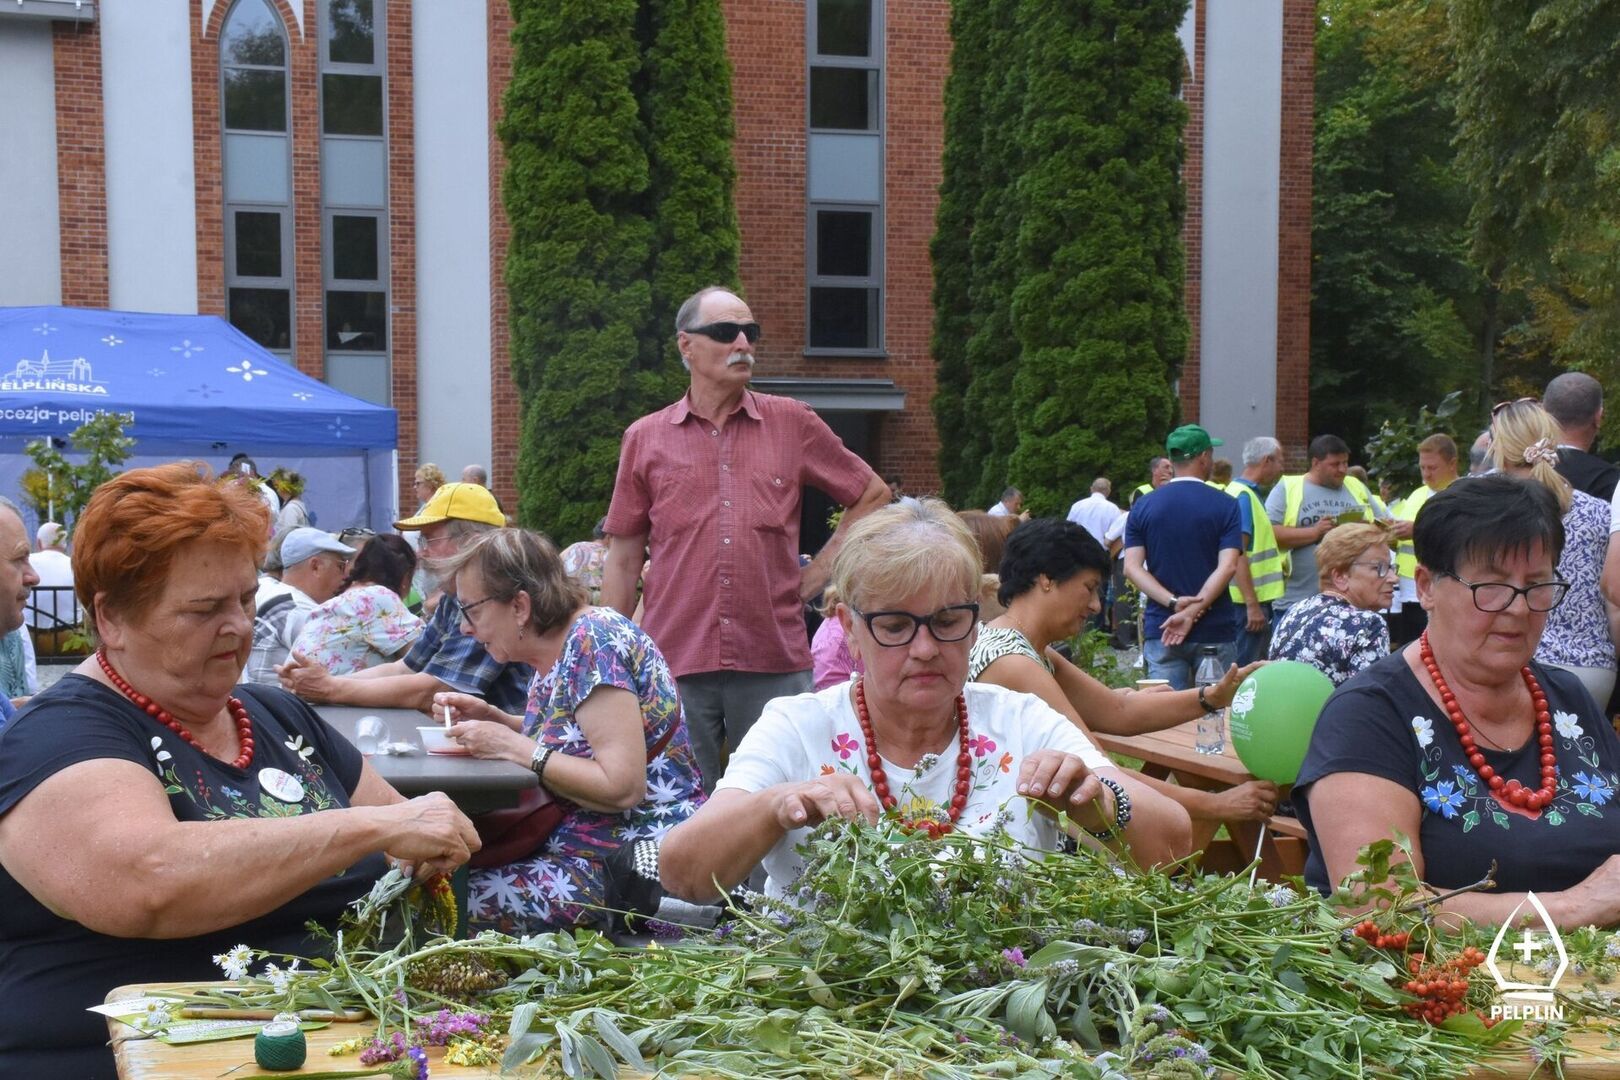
467,707
1054,776
431,836
1221,694
1255,800
809,803
493,740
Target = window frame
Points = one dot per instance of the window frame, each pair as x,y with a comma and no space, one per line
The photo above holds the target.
378,68
876,62
228,210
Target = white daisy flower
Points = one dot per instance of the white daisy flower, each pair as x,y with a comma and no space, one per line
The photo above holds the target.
279,978
157,1016
1423,728
1568,726
235,963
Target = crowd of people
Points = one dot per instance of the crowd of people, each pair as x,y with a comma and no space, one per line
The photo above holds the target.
178,791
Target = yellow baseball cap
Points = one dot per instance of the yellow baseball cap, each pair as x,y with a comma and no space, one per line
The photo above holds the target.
457,502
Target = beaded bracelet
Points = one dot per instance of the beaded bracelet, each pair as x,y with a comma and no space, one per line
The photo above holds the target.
1122,810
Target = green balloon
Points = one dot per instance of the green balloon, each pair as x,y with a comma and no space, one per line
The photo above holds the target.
1272,716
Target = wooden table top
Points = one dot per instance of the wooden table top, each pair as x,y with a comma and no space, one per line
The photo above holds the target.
140,1058
1173,748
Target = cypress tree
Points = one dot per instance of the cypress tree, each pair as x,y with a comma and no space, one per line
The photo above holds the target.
688,109
581,246
992,351
1097,309
619,181
960,190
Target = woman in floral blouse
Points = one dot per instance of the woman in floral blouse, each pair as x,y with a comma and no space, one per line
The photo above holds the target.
603,730
1339,630
1580,632
367,622
1481,755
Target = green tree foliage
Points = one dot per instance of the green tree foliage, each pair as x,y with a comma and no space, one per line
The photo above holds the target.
618,189
687,105
1097,308
1539,141
1392,454
1398,312
952,247
67,485
1058,264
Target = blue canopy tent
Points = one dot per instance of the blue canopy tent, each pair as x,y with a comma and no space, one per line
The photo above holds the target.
198,388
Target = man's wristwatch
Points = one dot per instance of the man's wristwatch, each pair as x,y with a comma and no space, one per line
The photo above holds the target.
1122,810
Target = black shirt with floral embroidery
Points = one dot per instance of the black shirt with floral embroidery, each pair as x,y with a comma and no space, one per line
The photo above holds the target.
1385,724
51,968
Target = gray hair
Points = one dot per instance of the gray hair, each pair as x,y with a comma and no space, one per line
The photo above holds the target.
1010,493
476,474
1573,399
1258,449
686,317
9,505
1101,486
903,547
513,561
456,528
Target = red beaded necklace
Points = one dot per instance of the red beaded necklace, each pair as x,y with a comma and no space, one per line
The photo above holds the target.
239,713
880,780
1508,790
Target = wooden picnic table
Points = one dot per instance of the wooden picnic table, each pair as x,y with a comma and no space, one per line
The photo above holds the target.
141,1058
1171,754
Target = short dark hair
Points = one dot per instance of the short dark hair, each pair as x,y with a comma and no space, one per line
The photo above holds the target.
1324,446
1484,517
384,560
1052,546
1573,399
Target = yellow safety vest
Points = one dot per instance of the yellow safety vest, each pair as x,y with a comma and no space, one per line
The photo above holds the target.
1266,565
1407,510
1145,489
1294,497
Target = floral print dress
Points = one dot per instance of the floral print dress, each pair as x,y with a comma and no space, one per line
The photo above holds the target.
1330,633
361,627
564,884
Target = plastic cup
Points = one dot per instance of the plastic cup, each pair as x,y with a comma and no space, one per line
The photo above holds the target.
369,733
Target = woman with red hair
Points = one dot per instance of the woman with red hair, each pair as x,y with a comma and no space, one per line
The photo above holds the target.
153,813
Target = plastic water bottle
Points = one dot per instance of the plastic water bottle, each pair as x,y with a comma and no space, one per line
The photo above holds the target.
1211,737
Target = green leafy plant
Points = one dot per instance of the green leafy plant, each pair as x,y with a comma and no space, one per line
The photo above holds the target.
1392,453
1093,653
102,442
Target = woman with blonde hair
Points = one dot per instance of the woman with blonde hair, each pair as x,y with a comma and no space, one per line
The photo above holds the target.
912,735
1339,629
1581,631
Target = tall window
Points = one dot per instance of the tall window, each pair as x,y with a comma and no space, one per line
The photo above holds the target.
354,196
845,211
257,176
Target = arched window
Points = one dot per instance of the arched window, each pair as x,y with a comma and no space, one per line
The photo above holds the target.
257,175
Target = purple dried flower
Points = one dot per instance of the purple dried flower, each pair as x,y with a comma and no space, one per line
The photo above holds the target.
419,1056
665,931
1014,956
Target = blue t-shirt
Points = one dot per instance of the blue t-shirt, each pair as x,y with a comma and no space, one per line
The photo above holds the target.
1246,507
1183,527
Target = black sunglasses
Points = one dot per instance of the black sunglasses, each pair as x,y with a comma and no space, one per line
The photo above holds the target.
726,332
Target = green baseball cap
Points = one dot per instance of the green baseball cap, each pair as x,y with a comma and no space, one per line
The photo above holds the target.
1187,442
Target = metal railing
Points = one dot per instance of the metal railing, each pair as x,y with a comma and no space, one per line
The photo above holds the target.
52,614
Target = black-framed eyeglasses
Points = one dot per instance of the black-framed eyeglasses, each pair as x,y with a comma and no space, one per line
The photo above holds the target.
896,628
726,332
1500,405
1381,569
467,609
1493,596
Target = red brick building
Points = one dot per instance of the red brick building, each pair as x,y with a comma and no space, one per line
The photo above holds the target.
326,174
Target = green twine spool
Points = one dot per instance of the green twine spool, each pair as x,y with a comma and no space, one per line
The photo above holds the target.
280,1047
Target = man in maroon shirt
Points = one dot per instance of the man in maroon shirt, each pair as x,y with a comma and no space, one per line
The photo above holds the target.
711,485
